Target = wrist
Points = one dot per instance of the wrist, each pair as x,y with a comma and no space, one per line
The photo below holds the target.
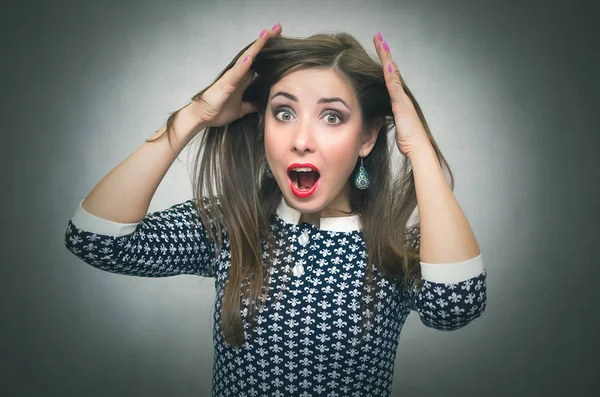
423,151
189,119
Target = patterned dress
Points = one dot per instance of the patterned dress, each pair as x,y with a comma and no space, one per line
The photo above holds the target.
305,340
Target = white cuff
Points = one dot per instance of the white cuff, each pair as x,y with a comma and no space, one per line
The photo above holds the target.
452,272
93,224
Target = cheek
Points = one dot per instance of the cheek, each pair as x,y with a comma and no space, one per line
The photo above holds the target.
270,141
349,146
274,148
269,145
342,157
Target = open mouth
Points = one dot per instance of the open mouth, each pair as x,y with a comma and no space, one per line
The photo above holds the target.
303,178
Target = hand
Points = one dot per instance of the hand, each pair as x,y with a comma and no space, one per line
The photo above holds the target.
222,103
410,133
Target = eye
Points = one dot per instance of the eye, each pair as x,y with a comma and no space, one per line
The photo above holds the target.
283,111
333,114
284,114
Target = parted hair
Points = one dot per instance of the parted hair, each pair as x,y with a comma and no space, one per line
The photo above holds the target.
236,200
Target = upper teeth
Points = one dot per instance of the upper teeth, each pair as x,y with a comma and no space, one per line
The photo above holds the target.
305,169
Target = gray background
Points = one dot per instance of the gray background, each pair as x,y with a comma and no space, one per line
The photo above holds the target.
509,89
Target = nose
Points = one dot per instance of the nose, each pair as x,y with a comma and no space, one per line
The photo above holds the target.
303,140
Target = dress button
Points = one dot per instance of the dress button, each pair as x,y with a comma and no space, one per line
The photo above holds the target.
298,270
303,239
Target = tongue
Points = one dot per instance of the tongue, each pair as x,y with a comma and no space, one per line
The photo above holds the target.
307,179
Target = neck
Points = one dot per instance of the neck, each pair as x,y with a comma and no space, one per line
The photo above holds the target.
313,219
339,207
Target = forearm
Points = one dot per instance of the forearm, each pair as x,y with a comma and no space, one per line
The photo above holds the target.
446,236
125,193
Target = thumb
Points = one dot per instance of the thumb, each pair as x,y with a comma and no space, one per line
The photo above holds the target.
248,107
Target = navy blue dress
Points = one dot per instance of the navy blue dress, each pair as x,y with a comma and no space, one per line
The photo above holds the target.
305,340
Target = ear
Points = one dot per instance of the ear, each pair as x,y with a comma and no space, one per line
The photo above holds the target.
369,136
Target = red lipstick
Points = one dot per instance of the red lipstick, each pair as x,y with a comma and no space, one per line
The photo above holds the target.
298,192
304,165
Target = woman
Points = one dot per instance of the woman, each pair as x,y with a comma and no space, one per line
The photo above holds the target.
298,217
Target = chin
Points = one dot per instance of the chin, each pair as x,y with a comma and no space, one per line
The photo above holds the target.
307,205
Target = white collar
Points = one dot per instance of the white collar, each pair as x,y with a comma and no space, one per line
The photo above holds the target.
334,224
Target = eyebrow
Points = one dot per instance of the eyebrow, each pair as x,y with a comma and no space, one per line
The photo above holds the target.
322,100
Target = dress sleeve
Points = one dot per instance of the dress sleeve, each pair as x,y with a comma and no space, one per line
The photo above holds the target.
451,294
165,243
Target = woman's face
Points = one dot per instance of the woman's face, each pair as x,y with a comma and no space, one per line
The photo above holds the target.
313,118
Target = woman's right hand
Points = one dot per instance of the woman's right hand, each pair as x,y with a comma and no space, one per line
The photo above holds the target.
222,103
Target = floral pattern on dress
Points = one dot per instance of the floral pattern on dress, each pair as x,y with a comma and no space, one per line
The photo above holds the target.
305,339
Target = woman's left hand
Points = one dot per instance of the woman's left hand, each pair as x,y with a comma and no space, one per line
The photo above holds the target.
410,133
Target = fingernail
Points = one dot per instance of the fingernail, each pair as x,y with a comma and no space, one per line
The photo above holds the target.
262,32
275,26
245,58
379,36
390,67
386,46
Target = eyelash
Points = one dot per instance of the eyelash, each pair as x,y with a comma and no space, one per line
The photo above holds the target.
329,113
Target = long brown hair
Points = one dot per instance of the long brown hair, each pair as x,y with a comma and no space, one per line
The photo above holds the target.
229,176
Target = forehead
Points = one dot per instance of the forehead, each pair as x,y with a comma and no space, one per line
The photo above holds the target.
314,83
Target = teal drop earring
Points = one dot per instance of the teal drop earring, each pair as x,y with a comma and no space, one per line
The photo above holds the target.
361,180
269,172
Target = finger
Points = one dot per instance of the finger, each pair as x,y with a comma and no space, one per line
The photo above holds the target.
246,80
258,45
248,107
391,73
244,62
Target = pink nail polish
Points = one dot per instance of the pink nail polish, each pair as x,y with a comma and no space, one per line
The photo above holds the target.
275,26
390,67
379,37
386,46
262,32
245,58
